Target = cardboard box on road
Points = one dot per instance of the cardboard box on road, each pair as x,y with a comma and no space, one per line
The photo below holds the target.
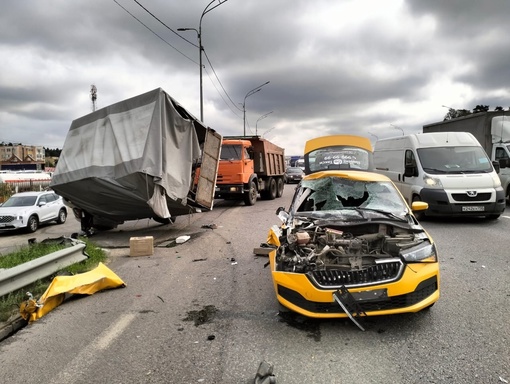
141,246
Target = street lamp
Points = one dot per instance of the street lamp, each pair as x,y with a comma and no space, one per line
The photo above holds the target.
254,90
394,126
201,48
260,118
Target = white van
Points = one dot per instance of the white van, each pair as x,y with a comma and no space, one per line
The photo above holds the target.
448,170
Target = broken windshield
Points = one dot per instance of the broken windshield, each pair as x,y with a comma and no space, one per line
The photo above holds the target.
336,193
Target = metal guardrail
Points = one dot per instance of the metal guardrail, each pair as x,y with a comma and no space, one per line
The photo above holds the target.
24,274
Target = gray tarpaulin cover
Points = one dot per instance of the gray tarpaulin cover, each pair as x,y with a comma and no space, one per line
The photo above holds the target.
133,159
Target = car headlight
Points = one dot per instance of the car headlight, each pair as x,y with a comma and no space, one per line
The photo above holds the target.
432,182
496,180
423,253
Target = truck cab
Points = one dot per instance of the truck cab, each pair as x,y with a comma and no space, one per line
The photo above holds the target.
250,165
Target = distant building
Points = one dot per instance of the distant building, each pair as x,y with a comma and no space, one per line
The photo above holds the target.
18,157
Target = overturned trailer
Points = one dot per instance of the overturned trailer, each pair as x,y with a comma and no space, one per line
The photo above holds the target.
136,159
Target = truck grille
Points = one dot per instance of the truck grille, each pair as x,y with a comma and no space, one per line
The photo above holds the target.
6,219
464,197
376,274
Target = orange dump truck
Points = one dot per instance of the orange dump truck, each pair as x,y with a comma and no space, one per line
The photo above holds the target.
250,165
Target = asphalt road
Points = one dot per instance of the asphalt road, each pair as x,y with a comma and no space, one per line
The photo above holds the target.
205,312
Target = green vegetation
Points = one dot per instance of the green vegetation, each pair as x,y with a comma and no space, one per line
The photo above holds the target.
9,304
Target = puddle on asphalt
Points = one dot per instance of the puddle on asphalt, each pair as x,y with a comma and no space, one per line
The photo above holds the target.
202,316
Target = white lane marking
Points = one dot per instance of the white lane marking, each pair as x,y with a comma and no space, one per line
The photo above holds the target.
506,217
88,355
115,330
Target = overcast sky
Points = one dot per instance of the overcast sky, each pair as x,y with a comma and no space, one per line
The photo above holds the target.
368,67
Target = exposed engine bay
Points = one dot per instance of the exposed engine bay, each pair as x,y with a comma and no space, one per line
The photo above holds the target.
309,247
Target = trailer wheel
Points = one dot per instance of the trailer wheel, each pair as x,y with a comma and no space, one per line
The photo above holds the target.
272,190
163,220
279,187
250,197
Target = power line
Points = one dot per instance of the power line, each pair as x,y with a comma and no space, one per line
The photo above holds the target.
166,42
217,90
203,50
166,26
217,78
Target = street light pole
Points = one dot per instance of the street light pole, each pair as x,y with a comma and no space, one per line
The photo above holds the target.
200,50
254,90
394,126
260,118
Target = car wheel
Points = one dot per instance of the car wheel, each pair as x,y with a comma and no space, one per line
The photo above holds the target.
32,224
279,187
62,216
250,197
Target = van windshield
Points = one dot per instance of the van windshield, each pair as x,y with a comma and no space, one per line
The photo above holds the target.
438,160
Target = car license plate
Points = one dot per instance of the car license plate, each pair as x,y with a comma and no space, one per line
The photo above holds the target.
473,208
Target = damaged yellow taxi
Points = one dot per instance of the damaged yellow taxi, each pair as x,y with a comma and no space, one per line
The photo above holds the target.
350,246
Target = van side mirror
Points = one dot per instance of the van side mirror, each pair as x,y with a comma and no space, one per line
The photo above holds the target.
410,171
504,163
496,165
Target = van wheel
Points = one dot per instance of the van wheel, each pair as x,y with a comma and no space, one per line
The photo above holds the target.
250,197
279,187
420,216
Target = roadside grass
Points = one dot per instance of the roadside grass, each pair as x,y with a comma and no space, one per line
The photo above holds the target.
9,304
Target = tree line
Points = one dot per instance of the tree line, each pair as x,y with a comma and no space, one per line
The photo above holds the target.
454,113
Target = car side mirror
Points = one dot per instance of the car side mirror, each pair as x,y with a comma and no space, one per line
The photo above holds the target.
282,214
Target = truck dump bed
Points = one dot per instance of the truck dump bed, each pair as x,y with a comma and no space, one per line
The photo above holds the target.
269,159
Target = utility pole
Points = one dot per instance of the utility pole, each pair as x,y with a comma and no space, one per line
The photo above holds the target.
93,96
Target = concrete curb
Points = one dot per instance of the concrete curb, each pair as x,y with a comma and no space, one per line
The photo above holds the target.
11,326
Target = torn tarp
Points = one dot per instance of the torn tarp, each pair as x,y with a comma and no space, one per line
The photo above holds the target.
87,283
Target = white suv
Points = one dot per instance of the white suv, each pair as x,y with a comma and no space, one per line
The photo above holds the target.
29,209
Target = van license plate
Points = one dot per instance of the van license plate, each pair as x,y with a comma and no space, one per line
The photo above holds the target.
473,208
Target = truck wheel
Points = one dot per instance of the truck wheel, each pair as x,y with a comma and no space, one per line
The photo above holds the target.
279,187
250,197
272,190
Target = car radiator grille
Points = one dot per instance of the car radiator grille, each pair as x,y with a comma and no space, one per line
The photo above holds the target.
6,219
375,274
464,197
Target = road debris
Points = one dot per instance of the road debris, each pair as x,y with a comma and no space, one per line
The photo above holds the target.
265,374
182,239
210,226
88,283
